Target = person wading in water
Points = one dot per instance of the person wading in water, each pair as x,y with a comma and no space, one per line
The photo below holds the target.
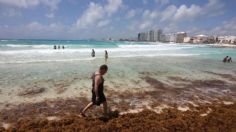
93,53
98,96
106,56
225,59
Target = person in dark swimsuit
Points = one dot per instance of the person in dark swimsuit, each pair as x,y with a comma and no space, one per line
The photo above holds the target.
229,60
98,97
106,56
225,59
93,53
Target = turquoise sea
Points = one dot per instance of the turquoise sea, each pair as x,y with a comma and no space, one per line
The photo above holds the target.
63,73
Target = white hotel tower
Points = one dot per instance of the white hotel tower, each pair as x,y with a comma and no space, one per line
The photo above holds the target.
152,36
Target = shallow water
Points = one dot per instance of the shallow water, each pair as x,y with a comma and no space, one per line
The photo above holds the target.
133,67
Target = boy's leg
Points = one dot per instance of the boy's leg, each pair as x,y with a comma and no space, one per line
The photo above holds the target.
105,108
87,107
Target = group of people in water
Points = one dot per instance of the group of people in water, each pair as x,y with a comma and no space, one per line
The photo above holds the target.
227,59
58,47
106,54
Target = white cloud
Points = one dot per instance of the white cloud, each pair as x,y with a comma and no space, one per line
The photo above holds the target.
38,27
227,27
162,2
10,12
20,3
50,15
113,6
172,15
34,26
184,12
214,8
131,13
103,23
168,13
96,12
31,3
145,24
145,1
53,4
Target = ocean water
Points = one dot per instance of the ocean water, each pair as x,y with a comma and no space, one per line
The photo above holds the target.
63,73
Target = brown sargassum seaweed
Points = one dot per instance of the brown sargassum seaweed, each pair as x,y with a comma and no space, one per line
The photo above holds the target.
221,118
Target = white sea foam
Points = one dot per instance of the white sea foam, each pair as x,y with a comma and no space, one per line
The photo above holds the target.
30,59
17,46
41,46
3,40
41,61
125,48
45,53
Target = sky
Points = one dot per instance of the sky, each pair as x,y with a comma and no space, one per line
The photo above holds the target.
97,19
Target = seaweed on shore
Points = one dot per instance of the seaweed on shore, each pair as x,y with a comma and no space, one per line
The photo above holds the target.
31,91
222,118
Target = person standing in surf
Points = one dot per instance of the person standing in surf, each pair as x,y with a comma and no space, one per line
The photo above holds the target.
229,60
225,59
106,56
93,53
98,97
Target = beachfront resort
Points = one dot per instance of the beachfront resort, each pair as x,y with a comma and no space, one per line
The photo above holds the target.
182,37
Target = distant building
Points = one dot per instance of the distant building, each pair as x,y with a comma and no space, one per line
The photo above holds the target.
142,37
163,38
180,37
227,39
152,35
200,38
211,40
158,35
188,40
147,36
172,38
168,38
